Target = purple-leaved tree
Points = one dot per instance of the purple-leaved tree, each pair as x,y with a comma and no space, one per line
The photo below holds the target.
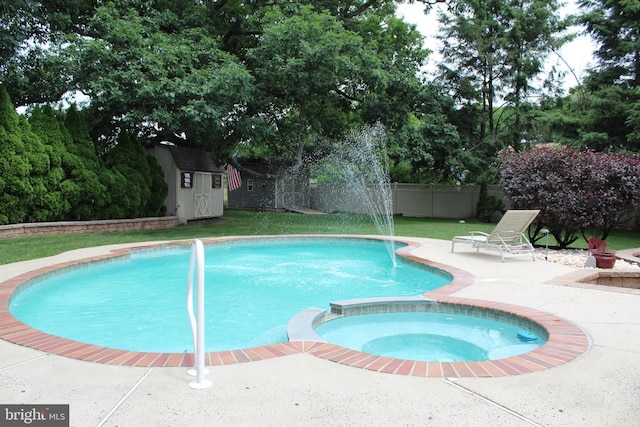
576,191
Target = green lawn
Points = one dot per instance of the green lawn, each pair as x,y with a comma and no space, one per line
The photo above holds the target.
247,223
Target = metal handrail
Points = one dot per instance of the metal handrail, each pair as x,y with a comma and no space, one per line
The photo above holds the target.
197,321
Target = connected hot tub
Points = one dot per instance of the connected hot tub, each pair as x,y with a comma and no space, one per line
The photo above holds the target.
421,329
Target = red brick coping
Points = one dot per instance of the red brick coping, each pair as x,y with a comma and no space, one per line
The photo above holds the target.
566,341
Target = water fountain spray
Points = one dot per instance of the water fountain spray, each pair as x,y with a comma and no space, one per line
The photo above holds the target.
359,166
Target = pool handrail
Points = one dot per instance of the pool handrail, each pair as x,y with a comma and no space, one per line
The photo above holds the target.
196,262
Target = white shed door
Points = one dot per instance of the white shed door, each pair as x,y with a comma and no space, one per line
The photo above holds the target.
202,186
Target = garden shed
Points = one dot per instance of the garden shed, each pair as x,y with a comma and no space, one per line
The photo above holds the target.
271,184
194,181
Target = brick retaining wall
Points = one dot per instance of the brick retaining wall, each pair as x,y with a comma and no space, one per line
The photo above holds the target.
75,227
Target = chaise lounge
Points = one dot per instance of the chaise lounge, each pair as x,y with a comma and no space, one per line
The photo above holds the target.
507,237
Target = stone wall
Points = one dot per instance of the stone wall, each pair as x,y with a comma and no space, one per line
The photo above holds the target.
76,227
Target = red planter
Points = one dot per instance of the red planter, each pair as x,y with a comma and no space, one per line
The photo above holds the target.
605,259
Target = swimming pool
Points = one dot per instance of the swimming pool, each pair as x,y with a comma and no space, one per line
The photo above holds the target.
254,287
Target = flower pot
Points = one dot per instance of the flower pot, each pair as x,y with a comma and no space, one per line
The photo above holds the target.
605,259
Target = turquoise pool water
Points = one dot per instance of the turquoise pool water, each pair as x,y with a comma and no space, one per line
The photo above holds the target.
253,289
438,337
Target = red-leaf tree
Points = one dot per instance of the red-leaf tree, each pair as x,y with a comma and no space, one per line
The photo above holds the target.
575,190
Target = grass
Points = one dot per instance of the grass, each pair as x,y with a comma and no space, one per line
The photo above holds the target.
247,223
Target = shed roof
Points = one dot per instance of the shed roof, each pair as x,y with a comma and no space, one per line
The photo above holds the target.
193,159
266,166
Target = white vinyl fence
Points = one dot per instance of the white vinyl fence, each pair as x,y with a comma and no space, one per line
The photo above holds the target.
421,200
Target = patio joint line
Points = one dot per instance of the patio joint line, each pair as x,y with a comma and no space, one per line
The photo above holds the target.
491,402
124,398
24,362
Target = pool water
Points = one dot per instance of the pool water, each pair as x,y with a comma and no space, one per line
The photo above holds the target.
253,289
437,337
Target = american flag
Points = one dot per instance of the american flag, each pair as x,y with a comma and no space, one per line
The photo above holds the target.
234,181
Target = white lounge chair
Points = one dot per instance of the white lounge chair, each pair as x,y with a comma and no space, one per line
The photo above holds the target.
507,237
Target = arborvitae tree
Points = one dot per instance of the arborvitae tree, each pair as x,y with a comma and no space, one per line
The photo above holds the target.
61,192
118,195
79,131
15,168
136,198
125,161
93,197
159,190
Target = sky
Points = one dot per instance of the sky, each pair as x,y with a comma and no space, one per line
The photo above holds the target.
578,54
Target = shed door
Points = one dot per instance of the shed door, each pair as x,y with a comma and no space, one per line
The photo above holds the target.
202,186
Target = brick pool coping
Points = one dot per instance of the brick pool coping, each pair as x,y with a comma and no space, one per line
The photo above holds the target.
566,341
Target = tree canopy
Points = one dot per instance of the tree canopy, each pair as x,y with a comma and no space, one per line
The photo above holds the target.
492,51
285,79
225,74
612,122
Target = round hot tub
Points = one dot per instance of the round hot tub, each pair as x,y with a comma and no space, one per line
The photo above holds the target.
430,336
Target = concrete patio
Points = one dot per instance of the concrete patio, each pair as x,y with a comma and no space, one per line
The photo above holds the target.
599,388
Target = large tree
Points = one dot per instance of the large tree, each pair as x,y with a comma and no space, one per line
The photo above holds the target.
264,78
215,73
147,78
614,27
309,70
614,84
493,50
317,75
